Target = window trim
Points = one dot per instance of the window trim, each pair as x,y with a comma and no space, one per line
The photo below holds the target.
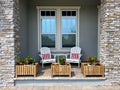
58,10
77,39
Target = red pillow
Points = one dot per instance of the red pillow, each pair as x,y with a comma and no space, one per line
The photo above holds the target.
74,56
46,56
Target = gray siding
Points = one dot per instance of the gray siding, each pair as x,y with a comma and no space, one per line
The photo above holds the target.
88,25
23,28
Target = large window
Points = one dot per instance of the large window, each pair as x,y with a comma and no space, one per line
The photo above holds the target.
68,28
48,28
58,27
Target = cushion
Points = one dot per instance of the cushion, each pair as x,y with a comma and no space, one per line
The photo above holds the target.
74,56
46,56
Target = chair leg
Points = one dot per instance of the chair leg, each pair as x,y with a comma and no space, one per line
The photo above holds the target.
78,65
42,65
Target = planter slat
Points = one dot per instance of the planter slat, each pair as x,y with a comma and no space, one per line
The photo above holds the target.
57,69
27,70
93,70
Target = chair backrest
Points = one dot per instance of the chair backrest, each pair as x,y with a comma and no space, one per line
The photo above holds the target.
75,52
45,50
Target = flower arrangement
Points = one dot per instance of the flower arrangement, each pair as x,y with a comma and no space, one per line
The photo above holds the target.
91,60
27,60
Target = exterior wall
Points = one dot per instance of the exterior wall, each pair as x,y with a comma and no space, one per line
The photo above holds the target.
9,40
110,40
88,25
23,28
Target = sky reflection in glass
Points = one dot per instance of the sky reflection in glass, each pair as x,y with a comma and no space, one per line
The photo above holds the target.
69,25
48,26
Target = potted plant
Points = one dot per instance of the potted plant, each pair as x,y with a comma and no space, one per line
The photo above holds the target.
91,60
20,61
62,60
27,66
29,60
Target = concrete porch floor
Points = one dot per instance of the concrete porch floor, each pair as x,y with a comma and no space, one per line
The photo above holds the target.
62,88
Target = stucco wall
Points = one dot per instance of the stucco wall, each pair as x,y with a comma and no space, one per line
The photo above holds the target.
88,26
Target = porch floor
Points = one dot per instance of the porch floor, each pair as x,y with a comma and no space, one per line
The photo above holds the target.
45,74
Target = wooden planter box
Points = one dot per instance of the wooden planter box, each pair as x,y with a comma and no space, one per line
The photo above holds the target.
57,69
27,70
93,70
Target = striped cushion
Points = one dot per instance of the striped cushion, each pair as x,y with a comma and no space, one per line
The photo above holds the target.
46,56
74,56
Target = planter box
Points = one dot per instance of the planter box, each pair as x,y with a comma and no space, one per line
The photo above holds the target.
57,69
93,70
27,70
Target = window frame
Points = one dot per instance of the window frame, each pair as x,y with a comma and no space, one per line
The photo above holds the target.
77,39
40,31
58,15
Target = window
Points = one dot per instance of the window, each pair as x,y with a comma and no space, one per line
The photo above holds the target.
58,27
68,28
48,28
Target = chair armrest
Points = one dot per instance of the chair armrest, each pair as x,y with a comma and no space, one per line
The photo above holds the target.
80,55
53,56
67,55
40,56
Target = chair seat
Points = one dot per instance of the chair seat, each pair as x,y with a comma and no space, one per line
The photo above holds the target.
72,60
48,60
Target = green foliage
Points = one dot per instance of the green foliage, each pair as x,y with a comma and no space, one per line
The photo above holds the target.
20,61
91,59
62,60
27,60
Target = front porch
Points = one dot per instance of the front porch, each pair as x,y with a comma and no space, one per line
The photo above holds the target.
19,35
44,77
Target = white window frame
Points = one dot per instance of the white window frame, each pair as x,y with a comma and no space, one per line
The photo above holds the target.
69,33
58,45
40,45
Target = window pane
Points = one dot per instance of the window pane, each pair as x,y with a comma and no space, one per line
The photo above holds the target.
68,40
47,13
48,26
63,13
48,40
42,13
73,13
52,13
68,13
69,25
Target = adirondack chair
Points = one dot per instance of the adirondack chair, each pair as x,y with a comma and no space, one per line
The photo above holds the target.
75,56
45,55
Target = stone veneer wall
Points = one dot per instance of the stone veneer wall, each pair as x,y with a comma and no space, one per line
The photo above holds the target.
9,40
110,40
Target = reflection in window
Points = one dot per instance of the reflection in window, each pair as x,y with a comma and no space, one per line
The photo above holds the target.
69,25
48,28
48,40
68,40
69,28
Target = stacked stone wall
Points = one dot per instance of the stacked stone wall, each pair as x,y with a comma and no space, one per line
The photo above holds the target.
9,27
110,40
